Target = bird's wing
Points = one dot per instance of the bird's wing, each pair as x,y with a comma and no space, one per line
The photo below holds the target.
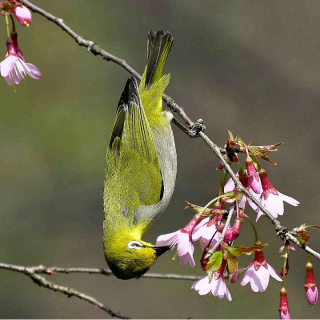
133,177
151,88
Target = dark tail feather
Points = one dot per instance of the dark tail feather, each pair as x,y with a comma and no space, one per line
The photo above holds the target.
129,94
158,48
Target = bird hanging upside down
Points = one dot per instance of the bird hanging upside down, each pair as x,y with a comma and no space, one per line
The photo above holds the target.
141,166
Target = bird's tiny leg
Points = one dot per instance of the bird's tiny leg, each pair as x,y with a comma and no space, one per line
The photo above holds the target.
193,131
196,128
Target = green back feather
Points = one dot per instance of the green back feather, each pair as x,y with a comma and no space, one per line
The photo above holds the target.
133,177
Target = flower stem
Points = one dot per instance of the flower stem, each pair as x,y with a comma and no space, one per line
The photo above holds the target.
13,24
253,227
285,265
217,198
8,26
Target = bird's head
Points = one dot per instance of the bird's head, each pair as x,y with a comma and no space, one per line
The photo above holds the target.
131,258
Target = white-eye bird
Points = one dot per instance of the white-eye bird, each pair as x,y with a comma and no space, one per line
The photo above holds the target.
141,166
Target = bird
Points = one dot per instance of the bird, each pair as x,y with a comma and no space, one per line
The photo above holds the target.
141,166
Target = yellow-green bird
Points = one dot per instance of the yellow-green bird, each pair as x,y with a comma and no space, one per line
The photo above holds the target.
141,166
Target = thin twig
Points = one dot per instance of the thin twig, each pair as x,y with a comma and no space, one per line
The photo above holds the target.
31,272
34,274
102,271
97,50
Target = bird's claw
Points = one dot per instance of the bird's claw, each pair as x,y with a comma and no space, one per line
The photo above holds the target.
282,233
196,128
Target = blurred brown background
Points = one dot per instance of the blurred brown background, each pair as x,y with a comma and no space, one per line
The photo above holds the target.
252,67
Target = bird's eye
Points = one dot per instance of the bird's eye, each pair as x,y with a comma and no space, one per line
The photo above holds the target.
135,245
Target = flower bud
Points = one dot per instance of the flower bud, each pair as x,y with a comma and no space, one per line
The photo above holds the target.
310,285
284,308
23,15
253,175
233,233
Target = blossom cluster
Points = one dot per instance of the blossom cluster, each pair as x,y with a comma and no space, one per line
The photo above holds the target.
14,66
212,227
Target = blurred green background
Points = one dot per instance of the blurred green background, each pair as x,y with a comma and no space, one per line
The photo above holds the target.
251,67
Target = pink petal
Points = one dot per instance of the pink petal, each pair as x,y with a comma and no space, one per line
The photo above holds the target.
246,278
229,186
274,205
32,71
261,279
202,286
242,202
9,81
184,245
7,65
219,289
259,212
167,239
255,185
273,273
196,234
289,200
187,258
312,296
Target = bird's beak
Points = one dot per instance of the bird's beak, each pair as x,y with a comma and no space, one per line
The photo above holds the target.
161,250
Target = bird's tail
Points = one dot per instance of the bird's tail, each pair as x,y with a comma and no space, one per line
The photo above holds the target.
158,47
153,84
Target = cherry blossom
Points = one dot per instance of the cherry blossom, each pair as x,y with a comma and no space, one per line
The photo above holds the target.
180,239
217,286
183,240
258,273
14,68
230,187
271,198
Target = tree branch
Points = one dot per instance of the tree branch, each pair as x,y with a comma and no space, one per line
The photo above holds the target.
97,50
32,273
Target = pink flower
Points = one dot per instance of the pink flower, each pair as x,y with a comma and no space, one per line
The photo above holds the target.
180,239
230,187
205,233
217,286
14,68
183,240
258,273
271,198
253,176
284,307
310,285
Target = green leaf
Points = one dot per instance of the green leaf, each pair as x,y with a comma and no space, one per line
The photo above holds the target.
238,251
214,262
232,265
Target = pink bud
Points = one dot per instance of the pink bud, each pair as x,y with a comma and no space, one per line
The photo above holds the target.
310,285
284,307
23,15
233,233
253,175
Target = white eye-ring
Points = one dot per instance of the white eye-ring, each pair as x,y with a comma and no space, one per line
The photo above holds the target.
135,245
